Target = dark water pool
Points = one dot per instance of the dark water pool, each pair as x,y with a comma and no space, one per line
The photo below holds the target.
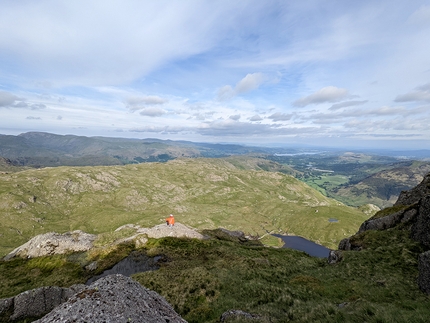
132,264
302,244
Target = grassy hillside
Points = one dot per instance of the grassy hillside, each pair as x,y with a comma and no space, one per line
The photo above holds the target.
357,178
205,193
204,278
383,187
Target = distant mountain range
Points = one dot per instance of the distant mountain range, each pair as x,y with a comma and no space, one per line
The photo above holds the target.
39,149
354,178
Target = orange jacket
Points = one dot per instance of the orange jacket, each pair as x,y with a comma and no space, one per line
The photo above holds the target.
170,220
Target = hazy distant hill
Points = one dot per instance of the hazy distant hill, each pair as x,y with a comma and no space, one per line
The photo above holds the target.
234,193
357,178
40,149
383,188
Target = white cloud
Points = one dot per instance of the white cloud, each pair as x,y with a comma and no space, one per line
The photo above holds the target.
141,102
278,116
326,94
421,93
37,106
152,112
249,83
111,42
7,99
226,93
255,118
346,104
234,117
33,118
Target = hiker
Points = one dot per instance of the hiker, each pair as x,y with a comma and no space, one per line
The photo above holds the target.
170,221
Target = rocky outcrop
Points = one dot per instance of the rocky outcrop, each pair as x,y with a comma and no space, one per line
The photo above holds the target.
54,243
162,230
420,230
424,272
389,221
414,195
114,298
36,302
334,256
414,216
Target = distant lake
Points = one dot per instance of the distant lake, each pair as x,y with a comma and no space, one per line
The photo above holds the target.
299,243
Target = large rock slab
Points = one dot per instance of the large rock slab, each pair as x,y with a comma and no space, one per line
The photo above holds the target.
389,221
113,299
179,230
54,243
36,302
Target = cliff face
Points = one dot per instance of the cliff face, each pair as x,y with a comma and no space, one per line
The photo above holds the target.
411,212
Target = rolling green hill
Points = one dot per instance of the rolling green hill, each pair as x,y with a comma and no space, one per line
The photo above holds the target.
234,193
357,178
383,187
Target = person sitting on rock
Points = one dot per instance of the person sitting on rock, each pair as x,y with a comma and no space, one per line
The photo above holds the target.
170,221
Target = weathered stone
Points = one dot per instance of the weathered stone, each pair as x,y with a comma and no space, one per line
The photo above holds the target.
420,230
114,298
414,195
178,231
424,272
6,306
334,257
345,244
35,302
54,243
389,221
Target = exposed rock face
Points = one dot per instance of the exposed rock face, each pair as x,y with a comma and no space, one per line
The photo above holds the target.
36,302
420,230
424,272
388,221
162,230
114,298
334,256
414,195
54,243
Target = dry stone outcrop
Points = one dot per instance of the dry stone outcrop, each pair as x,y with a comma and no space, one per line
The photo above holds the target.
36,302
113,299
162,230
54,243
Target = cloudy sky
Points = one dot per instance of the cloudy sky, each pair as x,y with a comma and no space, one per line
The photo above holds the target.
333,73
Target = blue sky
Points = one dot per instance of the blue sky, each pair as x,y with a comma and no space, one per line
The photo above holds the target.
330,73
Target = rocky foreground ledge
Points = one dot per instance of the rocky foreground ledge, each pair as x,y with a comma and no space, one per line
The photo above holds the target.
113,299
53,243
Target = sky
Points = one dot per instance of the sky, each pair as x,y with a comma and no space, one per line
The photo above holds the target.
336,73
